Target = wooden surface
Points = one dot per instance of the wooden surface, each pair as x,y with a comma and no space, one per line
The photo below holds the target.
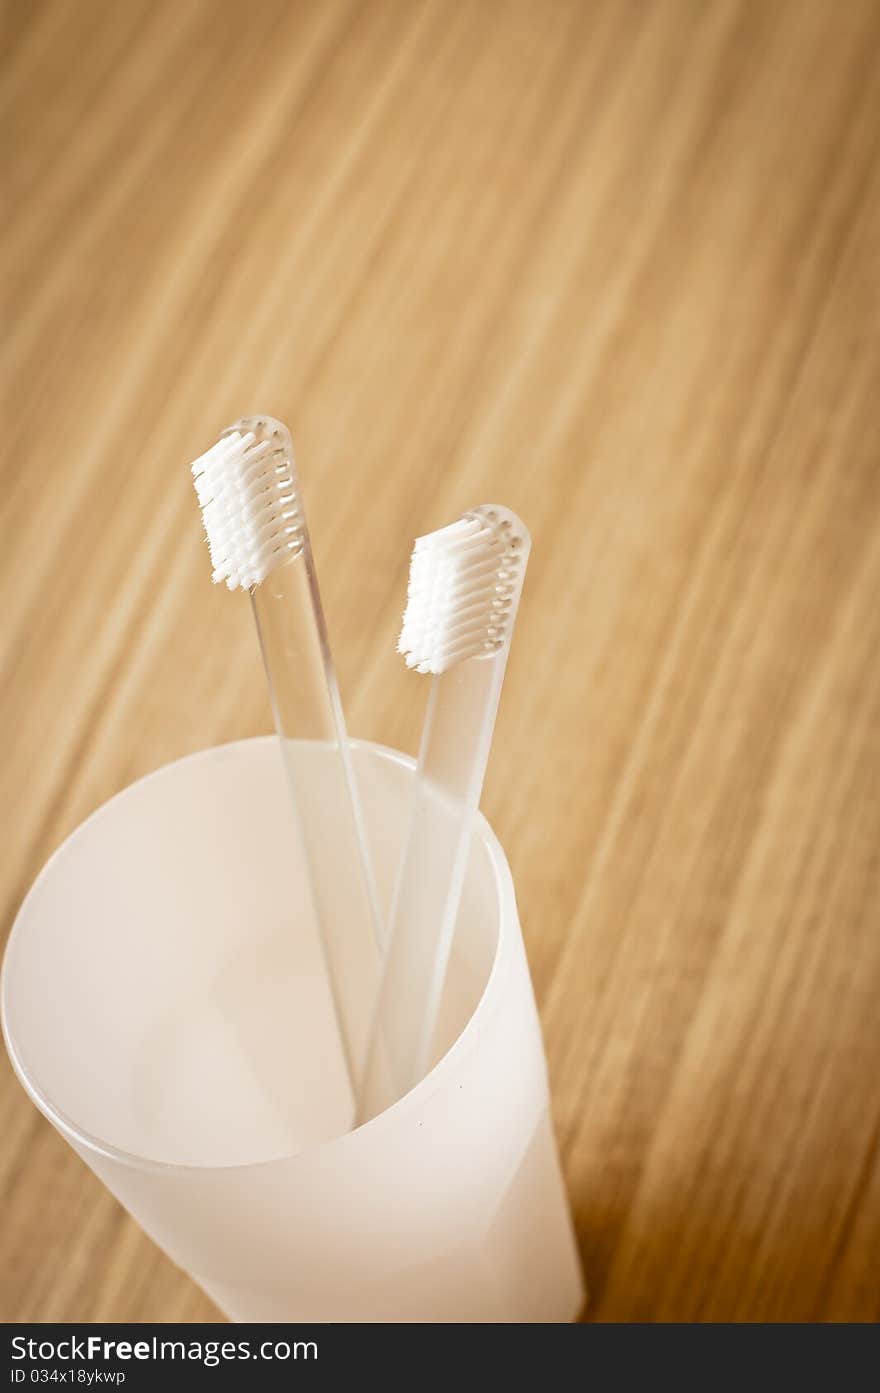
615,264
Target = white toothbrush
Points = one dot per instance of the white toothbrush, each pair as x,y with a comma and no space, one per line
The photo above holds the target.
253,515
464,589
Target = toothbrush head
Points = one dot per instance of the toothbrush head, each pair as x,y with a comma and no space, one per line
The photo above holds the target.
248,490
464,584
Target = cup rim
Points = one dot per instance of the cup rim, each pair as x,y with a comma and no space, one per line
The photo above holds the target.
81,1138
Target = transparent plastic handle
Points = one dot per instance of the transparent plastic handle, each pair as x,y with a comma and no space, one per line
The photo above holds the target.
456,740
309,719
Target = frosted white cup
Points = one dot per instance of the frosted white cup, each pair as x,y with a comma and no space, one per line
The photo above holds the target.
164,1005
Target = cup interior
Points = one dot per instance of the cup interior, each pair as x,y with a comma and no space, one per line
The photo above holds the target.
164,992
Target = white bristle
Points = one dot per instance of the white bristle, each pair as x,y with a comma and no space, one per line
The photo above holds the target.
247,488
462,580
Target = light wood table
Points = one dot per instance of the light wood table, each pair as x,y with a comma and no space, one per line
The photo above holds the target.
614,263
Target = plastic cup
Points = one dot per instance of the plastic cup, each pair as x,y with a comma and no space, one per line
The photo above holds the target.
164,1004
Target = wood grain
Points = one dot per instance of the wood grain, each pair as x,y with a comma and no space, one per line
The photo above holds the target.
614,263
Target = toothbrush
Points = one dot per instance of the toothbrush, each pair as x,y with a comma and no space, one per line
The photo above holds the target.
252,511
464,588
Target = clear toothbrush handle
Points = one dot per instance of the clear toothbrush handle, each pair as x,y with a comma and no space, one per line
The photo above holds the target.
456,741
308,717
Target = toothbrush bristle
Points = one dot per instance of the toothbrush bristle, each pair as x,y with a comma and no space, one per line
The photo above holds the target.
247,487
462,580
